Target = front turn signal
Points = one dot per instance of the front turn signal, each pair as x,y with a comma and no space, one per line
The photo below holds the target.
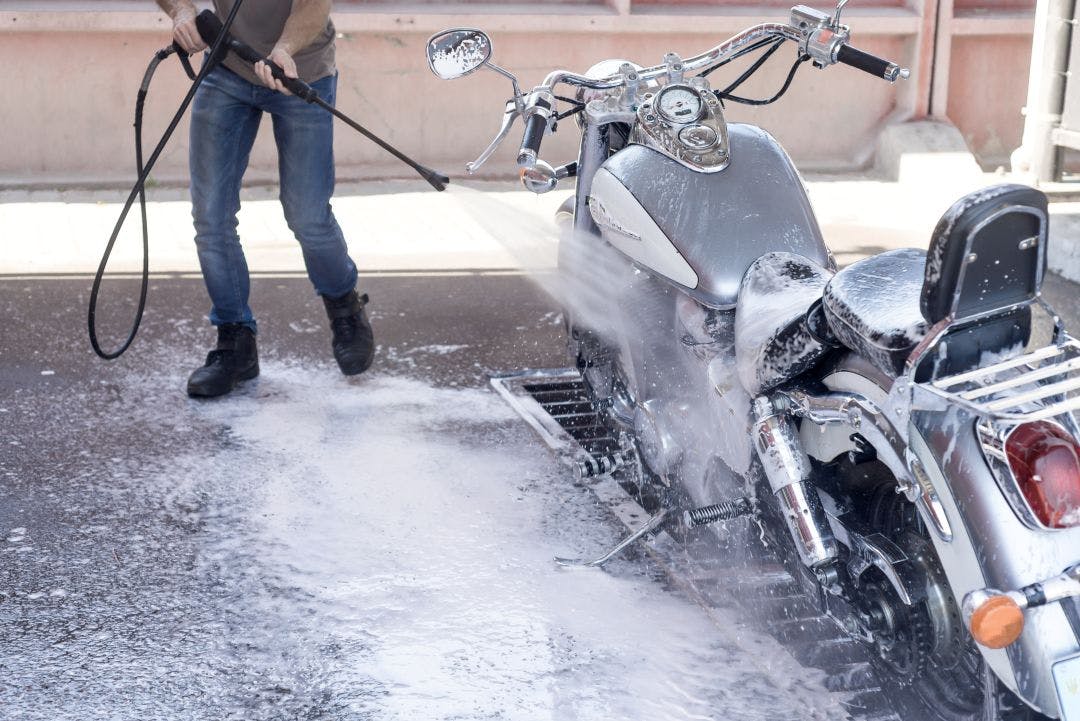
997,621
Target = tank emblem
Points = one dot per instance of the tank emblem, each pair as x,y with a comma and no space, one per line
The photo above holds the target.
603,218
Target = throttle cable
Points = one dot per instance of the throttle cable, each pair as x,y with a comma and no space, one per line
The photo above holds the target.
726,93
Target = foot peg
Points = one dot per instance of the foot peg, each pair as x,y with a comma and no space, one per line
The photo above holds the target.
593,466
690,519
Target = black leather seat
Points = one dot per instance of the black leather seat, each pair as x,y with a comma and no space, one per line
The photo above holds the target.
988,252
873,307
982,272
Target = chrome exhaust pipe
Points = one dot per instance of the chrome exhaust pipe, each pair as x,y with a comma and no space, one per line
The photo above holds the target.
788,469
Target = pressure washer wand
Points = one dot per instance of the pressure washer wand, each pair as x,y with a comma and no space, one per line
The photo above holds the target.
437,179
210,29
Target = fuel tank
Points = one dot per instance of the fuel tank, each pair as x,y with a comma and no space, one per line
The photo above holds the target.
701,231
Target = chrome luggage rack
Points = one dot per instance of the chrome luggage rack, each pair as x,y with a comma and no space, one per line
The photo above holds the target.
1035,386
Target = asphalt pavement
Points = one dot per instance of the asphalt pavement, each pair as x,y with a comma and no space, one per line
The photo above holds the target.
320,547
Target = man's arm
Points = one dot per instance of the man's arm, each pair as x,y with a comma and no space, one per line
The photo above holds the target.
307,19
183,14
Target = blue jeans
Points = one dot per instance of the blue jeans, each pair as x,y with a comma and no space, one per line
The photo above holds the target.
224,120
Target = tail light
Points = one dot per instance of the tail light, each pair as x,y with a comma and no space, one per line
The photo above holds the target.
1045,460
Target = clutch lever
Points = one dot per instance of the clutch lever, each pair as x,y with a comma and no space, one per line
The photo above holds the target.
511,113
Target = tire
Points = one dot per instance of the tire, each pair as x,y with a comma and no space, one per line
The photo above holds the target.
951,685
966,690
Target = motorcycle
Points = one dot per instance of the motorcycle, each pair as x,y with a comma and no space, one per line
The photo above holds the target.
904,429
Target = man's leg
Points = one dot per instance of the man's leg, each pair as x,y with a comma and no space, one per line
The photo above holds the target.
224,123
305,140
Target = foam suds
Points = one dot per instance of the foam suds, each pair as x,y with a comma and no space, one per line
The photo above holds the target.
342,549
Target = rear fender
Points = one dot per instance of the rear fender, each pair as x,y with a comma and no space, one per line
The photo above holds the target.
987,545
993,548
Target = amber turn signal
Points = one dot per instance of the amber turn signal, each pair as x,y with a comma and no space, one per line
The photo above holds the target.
997,622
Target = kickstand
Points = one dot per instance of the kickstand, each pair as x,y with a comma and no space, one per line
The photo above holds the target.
650,526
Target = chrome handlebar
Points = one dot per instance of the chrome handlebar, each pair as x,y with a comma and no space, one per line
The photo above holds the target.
673,68
698,63
819,36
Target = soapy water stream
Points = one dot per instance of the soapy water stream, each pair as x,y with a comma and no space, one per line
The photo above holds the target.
603,293
589,285
521,223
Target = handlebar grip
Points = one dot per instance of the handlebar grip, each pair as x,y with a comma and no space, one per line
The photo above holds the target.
878,67
534,135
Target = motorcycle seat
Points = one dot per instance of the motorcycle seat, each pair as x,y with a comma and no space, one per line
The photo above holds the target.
983,271
873,307
772,341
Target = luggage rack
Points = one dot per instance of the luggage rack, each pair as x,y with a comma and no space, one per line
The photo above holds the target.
1035,386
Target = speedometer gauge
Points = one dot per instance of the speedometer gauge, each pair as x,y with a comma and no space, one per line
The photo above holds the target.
679,104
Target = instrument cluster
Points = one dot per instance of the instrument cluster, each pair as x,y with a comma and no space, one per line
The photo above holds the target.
685,123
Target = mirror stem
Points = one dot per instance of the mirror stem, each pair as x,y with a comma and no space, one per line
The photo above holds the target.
839,7
519,99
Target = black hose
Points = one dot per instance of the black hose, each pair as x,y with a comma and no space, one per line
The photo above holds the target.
139,190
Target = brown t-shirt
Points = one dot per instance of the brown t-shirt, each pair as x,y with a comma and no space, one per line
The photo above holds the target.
260,23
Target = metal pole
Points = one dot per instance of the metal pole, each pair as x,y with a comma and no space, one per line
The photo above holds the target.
1038,156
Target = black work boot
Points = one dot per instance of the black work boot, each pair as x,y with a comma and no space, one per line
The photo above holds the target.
353,342
234,359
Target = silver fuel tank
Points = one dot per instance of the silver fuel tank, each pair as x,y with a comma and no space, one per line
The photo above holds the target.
702,231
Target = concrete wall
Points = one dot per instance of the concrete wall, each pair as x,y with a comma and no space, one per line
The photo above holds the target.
72,73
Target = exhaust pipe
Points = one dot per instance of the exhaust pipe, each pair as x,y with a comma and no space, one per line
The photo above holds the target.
788,469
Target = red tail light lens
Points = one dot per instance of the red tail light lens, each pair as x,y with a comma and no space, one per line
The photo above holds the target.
1045,460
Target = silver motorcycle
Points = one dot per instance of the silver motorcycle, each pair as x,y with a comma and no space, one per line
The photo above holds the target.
904,429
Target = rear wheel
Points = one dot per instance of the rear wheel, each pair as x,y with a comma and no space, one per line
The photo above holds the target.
925,649
955,683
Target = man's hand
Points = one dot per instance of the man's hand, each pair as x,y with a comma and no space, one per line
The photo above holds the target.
184,31
280,57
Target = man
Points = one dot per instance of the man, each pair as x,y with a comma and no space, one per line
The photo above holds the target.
298,36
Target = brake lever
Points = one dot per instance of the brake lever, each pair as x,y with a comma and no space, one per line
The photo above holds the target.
511,113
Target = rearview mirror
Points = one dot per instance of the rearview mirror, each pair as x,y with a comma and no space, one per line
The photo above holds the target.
454,53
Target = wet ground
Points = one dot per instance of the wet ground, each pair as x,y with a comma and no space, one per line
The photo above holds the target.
315,547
